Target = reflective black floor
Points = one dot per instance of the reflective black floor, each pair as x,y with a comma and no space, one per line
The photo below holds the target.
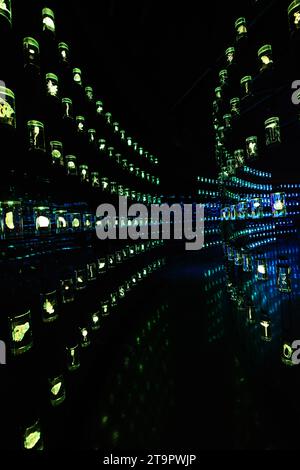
179,370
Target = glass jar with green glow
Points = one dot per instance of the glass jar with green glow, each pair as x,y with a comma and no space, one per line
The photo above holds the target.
88,221
89,93
137,172
64,53
73,357
36,134
80,279
122,134
52,84
20,329
239,156
230,55
283,276
7,107
95,322
157,181
135,146
77,76
57,390
108,118
227,119
265,57
131,168
67,108
231,166
118,158
223,77
92,136
85,340
75,223
57,154
102,144
218,93
71,165
251,147
116,127
120,190
113,187
235,106
80,124
294,16
111,152
61,220
240,28
148,177
124,163
95,179
67,290
272,131
141,151
91,271
99,107
84,173
105,308
129,141
48,19
32,437
42,220
49,306
11,219
246,85
101,265
31,51
278,204
104,183
5,10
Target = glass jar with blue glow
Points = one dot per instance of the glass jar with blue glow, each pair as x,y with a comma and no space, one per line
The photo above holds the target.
247,262
57,154
77,76
278,204
64,53
246,85
31,51
36,134
48,19
5,10
11,219
230,55
75,222
7,107
71,165
49,306
242,210
67,108
233,213
240,28
272,131
261,269
20,329
256,208
238,259
265,57
294,16
252,147
61,221
42,220
283,276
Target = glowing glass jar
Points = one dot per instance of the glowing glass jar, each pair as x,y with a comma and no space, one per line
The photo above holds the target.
101,265
223,77
84,173
233,212
36,135
48,19
247,262
88,222
265,57
246,85
104,183
251,147
95,321
261,270
218,93
73,357
71,165
124,164
42,220
80,124
49,306
242,210
57,154
230,55
32,437
89,93
265,330
102,145
75,222
61,221
57,390
5,10
113,299
294,16
231,166
52,84
238,258
20,329
99,107
283,277
240,28
278,204
256,208
80,279
64,53
67,291
92,136
272,131
84,337
7,107
111,152
11,219
108,118
105,311
235,106
239,156
225,213
31,51
227,119
67,108
77,76
95,179
91,272
120,190
287,354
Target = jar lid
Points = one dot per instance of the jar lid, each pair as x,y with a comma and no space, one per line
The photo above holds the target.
35,123
6,92
31,42
48,12
51,76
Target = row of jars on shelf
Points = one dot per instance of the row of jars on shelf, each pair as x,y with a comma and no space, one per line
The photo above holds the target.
45,220
255,209
259,266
